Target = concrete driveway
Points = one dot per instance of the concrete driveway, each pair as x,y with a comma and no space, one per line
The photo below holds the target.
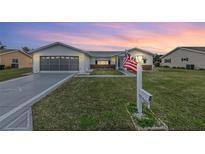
17,92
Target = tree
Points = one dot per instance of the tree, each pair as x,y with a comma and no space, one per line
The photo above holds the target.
26,49
157,60
2,46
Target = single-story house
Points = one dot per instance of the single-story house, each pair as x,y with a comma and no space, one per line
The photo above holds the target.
185,57
14,58
62,57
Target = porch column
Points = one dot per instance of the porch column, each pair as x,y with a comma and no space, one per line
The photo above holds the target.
116,63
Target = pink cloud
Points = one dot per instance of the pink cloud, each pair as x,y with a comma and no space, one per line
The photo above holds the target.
183,35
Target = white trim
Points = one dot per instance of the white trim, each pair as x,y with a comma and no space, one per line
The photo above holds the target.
57,43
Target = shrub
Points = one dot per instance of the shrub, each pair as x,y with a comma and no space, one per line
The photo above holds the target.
166,66
157,64
2,67
8,67
180,67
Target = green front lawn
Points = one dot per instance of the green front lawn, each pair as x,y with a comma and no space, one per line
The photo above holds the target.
100,103
106,72
85,104
13,73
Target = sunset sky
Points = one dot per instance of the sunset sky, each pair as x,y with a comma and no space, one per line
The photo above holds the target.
156,37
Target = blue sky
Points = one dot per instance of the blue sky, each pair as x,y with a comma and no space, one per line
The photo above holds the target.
156,37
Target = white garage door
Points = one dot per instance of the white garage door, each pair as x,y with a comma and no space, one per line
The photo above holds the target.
59,63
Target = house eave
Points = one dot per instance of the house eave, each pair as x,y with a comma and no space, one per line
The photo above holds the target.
57,43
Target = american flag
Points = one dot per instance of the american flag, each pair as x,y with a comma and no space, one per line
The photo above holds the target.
130,63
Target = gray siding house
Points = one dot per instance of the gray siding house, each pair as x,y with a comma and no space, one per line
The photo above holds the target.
185,57
62,57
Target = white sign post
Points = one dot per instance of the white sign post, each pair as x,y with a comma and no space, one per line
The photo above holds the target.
139,86
142,95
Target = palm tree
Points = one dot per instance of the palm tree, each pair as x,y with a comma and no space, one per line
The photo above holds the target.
2,46
26,49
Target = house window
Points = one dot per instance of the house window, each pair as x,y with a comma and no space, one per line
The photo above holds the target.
167,60
184,59
144,60
14,63
103,62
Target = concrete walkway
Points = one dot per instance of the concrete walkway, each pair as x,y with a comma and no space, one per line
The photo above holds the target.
102,76
127,73
23,92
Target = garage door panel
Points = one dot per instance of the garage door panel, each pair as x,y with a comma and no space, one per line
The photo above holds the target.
74,63
45,67
73,67
64,68
45,63
54,63
59,63
64,62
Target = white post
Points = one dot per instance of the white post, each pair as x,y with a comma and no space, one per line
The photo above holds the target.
139,86
117,62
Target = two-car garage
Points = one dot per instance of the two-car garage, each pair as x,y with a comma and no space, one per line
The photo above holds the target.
59,63
60,57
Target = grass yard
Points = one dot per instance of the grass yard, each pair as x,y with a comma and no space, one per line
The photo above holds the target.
99,103
13,73
106,72
85,104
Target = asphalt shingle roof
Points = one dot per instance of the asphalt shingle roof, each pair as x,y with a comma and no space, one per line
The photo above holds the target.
103,54
7,50
196,48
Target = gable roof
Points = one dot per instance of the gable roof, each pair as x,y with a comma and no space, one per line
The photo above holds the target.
8,51
192,49
3,51
142,50
57,43
104,54
201,49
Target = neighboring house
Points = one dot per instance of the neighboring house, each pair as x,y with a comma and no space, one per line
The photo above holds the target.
62,57
14,58
185,57
145,58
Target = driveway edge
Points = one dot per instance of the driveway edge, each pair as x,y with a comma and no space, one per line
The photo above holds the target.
33,100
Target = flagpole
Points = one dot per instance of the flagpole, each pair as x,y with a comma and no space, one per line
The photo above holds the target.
138,87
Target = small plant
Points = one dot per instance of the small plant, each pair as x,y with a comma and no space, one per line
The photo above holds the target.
180,67
165,66
8,67
147,120
87,121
